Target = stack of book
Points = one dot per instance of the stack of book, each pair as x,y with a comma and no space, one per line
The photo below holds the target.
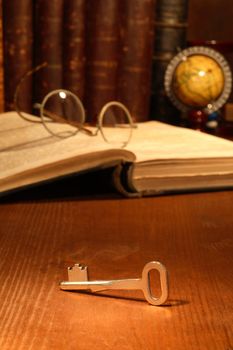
100,50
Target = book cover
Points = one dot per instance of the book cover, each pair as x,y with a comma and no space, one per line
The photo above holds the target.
170,36
74,46
102,40
48,46
18,43
1,63
135,60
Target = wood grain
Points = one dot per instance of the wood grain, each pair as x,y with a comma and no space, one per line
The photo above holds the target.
190,234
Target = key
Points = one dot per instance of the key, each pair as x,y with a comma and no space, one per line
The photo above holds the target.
78,280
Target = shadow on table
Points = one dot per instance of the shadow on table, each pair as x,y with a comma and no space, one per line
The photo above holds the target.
117,295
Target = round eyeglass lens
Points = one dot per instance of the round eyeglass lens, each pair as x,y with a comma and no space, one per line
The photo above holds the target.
116,124
62,113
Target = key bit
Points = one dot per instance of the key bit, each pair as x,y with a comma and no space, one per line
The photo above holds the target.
78,280
78,272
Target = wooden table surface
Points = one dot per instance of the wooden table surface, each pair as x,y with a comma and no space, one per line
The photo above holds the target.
191,234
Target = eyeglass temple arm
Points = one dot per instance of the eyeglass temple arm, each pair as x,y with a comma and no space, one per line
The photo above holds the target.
16,94
51,115
55,117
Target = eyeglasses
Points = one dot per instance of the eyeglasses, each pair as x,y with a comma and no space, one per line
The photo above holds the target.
63,115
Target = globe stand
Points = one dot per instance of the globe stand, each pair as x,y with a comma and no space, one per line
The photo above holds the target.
197,119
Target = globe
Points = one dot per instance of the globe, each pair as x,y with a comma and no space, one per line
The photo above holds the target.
198,80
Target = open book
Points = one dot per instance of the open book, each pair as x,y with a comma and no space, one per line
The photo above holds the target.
160,158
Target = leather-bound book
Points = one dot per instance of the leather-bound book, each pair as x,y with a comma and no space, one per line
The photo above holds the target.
134,80
102,54
48,46
18,41
74,46
1,63
170,36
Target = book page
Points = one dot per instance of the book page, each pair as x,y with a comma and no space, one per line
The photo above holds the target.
26,145
158,141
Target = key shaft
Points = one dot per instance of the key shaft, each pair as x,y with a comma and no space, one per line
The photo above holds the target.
94,286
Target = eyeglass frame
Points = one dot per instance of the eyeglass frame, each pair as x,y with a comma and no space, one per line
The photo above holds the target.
79,126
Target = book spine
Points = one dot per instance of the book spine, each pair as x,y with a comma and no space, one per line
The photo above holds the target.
74,46
102,54
48,46
134,82
17,42
170,36
1,63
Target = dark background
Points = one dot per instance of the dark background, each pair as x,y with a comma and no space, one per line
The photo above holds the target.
210,20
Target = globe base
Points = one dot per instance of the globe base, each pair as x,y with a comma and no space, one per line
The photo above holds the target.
197,119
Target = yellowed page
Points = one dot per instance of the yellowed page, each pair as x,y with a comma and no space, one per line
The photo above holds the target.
25,145
156,141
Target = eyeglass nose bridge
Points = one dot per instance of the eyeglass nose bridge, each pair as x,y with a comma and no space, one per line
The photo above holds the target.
36,105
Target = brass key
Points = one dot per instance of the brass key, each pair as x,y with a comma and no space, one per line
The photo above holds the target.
79,273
